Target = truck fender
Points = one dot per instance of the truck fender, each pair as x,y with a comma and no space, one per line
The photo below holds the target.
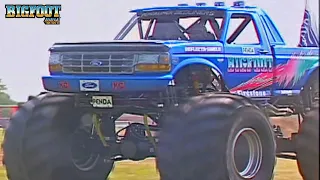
310,74
191,61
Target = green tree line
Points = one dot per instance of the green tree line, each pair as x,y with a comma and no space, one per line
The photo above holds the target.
4,97
5,100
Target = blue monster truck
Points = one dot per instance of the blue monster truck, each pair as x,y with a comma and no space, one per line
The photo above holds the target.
208,76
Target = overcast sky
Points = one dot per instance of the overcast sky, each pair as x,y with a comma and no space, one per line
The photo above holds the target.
24,42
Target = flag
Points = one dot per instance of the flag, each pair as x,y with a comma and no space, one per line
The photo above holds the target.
309,34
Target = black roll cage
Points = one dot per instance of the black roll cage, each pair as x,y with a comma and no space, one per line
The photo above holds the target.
139,17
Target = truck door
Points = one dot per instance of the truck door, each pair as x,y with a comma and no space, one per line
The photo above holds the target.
248,58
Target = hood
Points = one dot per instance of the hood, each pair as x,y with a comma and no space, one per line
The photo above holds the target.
174,46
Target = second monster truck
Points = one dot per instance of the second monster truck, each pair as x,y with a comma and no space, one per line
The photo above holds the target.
208,76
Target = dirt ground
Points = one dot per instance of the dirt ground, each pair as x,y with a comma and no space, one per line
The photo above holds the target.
288,124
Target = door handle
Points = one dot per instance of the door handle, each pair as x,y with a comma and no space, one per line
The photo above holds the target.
263,51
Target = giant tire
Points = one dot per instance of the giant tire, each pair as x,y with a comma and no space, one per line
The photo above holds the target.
37,143
307,146
310,92
196,139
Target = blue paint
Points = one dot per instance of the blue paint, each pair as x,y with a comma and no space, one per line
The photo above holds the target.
215,54
136,83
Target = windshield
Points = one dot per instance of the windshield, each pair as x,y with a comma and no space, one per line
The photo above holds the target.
174,25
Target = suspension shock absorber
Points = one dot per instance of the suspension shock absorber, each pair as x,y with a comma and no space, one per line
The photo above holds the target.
97,125
149,135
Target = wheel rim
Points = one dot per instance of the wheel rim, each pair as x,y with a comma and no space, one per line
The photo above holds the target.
82,154
247,153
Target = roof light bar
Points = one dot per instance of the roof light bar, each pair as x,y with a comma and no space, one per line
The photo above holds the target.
183,4
238,4
201,4
219,3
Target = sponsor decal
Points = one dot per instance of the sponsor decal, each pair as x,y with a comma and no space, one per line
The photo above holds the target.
171,83
288,92
102,101
96,62
179,13
175,60
286,74
89,85
49,12
248,50
220,60
253,93
64,85
203,49
248,65
118,85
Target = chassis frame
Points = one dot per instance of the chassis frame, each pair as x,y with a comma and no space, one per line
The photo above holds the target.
154,104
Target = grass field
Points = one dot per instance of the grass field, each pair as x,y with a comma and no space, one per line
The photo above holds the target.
145,170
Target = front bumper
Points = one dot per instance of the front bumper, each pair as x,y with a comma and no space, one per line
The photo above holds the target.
105,84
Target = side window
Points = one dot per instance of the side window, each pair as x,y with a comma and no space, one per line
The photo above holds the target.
242,30
186,22
214,26
133,34
273,29
269,34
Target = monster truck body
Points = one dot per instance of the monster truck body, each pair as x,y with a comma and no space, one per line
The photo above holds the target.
265,69
208,76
